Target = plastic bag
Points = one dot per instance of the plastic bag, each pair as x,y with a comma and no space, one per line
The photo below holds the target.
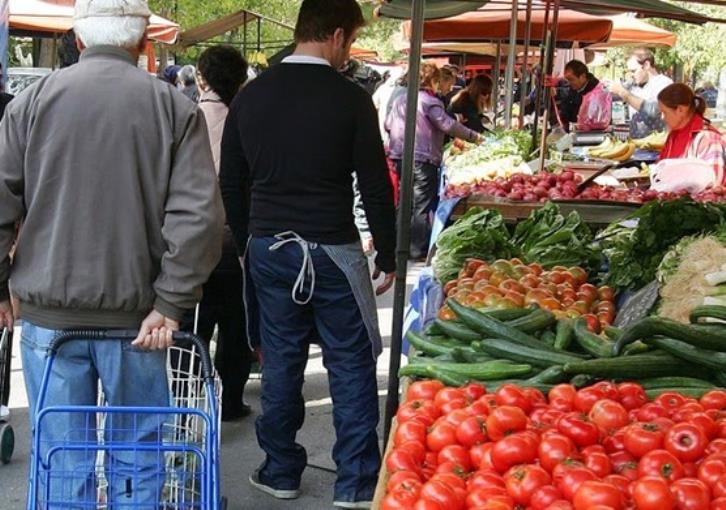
596,110
673,175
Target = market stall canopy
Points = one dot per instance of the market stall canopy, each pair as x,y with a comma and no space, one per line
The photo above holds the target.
493,21
363,53
56,17
223,25
435,9
630,31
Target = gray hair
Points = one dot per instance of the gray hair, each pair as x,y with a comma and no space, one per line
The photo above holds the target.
123,31
187,75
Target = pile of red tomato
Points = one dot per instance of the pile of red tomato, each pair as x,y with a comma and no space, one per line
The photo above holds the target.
604,447
512,284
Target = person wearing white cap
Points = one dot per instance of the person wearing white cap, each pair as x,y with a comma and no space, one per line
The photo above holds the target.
112,173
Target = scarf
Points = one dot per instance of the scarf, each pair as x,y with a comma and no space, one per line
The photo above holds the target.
679,140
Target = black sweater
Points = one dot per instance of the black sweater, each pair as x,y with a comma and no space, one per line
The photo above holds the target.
292,138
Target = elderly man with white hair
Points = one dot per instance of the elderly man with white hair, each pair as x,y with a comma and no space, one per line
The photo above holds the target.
112,174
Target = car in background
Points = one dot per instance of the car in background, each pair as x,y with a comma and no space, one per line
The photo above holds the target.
20,78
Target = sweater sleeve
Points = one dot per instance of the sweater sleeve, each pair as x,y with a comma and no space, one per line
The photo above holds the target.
438,117
234,180
369,163
12,208
193,222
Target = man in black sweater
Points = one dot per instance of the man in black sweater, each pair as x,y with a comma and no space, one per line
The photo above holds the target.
581,82
287,187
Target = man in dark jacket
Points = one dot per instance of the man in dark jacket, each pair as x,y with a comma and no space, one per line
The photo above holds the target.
581,82
288,187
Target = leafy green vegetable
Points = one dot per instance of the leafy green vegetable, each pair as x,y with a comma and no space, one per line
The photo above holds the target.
480,233
636,247
672,259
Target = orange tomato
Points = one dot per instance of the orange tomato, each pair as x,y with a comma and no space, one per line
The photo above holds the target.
581,307
483,273
556,277
497,278
511,285
466,283
551,304
515,296
529,281
491,289
446,314
536,268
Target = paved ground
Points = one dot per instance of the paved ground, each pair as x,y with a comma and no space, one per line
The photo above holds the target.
240,454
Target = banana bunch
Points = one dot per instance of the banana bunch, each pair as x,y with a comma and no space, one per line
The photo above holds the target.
652,142
614,150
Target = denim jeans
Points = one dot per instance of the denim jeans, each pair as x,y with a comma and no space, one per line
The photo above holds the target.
333,319
129,377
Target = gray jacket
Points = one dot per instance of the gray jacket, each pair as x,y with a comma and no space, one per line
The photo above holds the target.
111,172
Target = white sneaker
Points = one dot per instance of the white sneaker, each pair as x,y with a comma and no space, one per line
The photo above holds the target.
276,493
353,504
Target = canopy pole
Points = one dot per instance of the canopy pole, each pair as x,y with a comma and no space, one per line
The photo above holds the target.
523,88
497,74
540,82
244,34
511,60
404,213
259,34
552,43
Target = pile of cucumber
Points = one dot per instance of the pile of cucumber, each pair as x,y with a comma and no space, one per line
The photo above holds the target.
530,347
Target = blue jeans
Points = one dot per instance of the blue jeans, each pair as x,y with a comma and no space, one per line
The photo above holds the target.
332,318
129,377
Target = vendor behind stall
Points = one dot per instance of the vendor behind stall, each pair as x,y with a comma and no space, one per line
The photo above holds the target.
691,135
581,82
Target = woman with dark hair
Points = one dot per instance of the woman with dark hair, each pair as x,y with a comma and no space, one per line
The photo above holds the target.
691,134
221,72
473,101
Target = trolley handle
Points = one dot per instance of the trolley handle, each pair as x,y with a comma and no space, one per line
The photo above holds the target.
179,337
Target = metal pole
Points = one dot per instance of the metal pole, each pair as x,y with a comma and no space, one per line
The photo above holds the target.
259,34
509,76
552,43
540,83
244,34
524,92
497,74
404,213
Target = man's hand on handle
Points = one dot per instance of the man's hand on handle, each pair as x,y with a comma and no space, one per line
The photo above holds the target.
155,333
388,279
6,315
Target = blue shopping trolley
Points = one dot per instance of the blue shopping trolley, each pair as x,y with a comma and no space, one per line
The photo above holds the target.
172,463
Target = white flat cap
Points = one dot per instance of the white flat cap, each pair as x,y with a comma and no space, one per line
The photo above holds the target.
112,8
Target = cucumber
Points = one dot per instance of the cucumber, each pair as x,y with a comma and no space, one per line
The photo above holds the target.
460,355
522,354
706,337
653,364
613,333
431,372
507,314
536,321
492,328
637,347
457,330
591,343
708,312
685,391
581,380
548,338
704,357
489,370
674,382
429,346
552,375
565,334
432,329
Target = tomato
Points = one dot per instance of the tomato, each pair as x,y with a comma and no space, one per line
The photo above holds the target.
544,497
651,411
641,438
593,323
576,427
686,441
401,476
623,463
707,424
597,461
425,504
566,392
660,463
481,456
445,395
711,469
586,398
632,395
572,479
653,493
560,504
670,400
403,497
457,404
512,395
484,480
592,493
691,494
424,390
415,449
400,460
472,431
412,430
442,434
553,449
523,481
456,417
619,481
505,420
424,409
438,491
474,391
714,399
457,481
456,454
690,470
429,465
536,398
512,450
716,446
719,488
608,415
446,314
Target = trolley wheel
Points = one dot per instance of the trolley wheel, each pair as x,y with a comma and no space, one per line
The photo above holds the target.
223,503
7,442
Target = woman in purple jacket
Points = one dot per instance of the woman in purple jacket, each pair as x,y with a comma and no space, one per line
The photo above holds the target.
432,125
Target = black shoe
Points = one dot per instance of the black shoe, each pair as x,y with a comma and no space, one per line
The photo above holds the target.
236,413
267,489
